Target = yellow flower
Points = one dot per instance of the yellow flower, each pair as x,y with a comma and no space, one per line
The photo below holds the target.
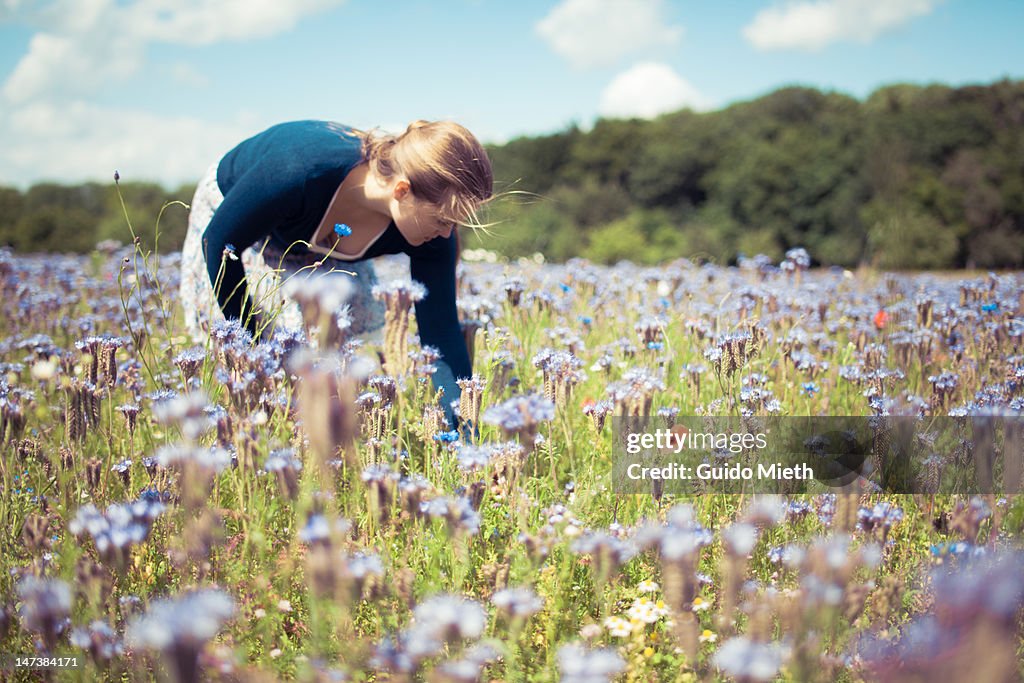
708,636
648,652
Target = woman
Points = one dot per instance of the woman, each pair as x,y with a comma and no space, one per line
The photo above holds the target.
306,195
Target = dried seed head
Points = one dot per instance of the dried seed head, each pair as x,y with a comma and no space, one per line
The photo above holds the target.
93,472
35,532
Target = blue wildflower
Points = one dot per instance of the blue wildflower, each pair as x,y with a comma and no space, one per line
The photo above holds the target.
154,495
798,508
883,515
342,229
990,308
447,437
810,388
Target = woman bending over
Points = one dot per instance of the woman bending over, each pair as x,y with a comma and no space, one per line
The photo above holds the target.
351,196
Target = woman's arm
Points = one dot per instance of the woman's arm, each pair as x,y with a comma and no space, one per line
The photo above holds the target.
250,210
437,317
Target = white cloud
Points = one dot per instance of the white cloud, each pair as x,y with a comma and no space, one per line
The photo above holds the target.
591,33
11,8
85,44
59,65
78,141
202,22
188,75
49,129
811,25
647,90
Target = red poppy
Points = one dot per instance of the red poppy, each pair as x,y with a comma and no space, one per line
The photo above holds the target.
680,431
881,318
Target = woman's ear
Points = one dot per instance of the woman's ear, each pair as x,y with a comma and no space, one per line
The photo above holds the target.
402,188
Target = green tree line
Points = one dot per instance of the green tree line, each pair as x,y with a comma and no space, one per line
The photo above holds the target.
911,177
74,218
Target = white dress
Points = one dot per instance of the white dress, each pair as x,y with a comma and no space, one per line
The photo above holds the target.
267,268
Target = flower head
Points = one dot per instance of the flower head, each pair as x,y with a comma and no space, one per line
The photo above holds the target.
46,604
450,617
618,627
188,620
118,528
518,602
99,640
745,659
581,665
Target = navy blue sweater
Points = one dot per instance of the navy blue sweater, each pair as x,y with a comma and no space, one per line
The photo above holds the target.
279,183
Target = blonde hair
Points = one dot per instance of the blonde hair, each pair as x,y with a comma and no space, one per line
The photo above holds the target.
445,164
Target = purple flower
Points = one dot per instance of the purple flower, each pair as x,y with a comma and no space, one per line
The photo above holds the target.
602,544
99,640
118,528
749,660
179,627
799,257
450,617
467,667
282,459
472,458
740,538
406,291
46,604
318,528
457,511
520,412
579,665
518,602
210,458
883,515
681,538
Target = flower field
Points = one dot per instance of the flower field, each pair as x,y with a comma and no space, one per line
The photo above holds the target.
229,511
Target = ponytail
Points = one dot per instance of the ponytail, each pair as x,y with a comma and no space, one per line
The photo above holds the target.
446,165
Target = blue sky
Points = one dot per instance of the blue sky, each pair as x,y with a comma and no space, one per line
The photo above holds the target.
158,89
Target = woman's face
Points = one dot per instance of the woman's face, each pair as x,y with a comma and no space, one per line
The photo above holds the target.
418,220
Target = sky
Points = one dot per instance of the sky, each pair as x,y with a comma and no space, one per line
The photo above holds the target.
160,89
